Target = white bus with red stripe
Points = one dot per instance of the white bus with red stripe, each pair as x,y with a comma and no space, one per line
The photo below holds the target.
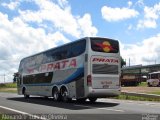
86,68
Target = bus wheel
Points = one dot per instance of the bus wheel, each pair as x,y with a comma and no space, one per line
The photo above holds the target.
92,99
149,85
64,94
24,93
55,94
26,96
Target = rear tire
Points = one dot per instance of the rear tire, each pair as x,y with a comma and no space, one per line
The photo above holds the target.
24,93
26,96
64,94
55,94
149,85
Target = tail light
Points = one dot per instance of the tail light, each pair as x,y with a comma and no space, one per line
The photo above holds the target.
89,80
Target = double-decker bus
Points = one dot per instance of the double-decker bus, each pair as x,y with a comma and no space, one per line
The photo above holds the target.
88,68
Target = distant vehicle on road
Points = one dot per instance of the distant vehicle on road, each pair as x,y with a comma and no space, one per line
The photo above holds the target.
86,68
154,79
130,80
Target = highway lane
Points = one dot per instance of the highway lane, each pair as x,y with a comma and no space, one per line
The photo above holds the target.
102,109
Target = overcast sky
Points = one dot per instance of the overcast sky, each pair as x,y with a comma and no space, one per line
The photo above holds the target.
31,26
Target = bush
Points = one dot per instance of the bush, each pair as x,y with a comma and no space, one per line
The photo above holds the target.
8,85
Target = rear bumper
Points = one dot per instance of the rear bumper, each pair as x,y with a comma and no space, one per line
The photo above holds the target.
103,93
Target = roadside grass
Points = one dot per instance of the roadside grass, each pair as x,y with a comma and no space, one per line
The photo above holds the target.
8,85
155,92
143,84
136,98
8,90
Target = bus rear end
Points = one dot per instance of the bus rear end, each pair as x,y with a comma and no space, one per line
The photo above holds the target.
103,78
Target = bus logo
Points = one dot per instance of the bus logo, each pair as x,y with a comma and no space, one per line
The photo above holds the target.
105,60
106,46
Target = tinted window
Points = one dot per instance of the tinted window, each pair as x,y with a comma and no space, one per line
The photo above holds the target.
104,45
38,78
64,52
105,69
77,48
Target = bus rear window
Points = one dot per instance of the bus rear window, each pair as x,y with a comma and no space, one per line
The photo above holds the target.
104,45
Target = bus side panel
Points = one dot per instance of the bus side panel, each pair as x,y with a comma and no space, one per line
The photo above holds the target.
80,88
71,77
71,88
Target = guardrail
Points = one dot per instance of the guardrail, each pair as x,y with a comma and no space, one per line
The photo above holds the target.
141,95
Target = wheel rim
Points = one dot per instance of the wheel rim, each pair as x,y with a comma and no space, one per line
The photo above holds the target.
65,96
55,95
25,95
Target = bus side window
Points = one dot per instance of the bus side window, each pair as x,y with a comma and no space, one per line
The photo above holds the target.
78,48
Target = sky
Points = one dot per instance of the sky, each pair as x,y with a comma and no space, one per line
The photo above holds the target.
30,26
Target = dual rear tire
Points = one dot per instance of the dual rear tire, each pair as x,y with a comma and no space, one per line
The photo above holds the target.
62,95
56,95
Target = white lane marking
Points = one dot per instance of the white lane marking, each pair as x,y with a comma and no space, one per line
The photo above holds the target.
24,113
117,110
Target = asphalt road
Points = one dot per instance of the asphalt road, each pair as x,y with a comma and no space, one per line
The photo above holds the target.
103,109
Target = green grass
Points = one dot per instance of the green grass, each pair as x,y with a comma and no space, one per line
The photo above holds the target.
156,92
143,84
8,85
136,98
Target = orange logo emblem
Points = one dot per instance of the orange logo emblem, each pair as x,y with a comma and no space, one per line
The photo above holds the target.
106,46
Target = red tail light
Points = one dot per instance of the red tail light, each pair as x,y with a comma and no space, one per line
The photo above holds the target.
89,80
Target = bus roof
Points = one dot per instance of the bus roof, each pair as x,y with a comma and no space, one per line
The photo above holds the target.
65,45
